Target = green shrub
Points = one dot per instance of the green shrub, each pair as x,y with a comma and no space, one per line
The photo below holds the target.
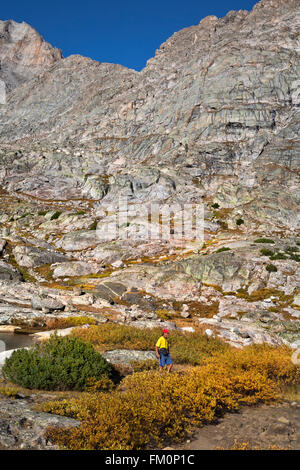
295,257
239,222
215,205
292,249
263,240
278,256
42,213
224,248
266,252
94,225
271,268
61,363
55,215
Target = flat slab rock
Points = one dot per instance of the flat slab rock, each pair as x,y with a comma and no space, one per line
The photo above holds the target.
23,428
122,356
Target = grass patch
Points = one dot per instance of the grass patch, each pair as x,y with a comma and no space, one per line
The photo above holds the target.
201,309
261,294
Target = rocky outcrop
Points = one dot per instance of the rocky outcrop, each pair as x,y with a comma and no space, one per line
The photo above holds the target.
7,272
217,101
31,257
23,428
24,54
126,357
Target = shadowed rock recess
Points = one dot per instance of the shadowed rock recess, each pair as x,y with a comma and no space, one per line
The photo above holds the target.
213,120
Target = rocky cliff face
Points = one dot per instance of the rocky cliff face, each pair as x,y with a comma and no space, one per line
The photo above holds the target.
23,53
212,119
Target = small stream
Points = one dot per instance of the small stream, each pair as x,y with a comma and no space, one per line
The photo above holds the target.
13,341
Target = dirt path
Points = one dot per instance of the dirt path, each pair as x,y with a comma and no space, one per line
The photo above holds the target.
260,427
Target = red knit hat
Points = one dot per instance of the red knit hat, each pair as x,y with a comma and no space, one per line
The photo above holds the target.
165,331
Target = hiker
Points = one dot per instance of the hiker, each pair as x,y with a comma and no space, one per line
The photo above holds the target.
163,352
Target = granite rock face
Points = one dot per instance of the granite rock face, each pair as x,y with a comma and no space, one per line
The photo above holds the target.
23,428
212,120
24,54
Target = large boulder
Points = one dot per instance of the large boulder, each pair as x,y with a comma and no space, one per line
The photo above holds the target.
23,428
75,268
9,273
30,257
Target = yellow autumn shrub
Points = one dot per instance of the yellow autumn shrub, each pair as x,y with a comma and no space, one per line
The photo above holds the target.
8,391
149,407
60,323
188,348
272,361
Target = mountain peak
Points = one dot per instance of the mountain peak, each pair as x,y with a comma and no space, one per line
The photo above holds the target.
24,53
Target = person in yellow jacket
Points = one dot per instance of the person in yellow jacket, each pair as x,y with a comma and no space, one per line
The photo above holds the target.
162,350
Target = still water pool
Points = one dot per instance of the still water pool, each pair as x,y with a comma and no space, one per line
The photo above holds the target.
13,341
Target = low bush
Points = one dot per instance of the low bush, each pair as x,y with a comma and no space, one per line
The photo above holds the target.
94,225
163,313
61,363
224,248
8,391
102,384
278,256
266,252
60,323
147,364
239,222
292,249
263,240
55,215
271,268
186,348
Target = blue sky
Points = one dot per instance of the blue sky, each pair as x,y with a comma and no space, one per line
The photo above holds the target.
123,32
